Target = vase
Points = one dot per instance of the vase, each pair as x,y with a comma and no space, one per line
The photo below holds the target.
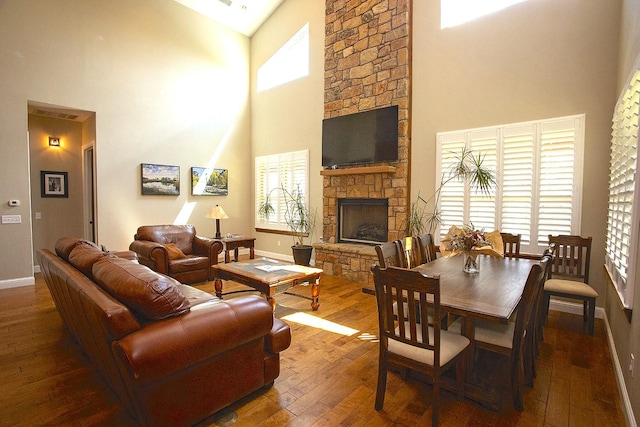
470,262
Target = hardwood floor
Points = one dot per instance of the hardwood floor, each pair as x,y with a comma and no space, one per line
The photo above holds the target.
327,379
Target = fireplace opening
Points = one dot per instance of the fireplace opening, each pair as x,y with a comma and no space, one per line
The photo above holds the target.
363,221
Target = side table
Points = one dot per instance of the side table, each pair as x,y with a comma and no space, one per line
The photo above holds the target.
236,242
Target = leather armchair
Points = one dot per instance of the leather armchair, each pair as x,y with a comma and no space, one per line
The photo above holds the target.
176,251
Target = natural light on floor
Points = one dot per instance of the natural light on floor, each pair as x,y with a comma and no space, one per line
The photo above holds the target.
456,12
316,322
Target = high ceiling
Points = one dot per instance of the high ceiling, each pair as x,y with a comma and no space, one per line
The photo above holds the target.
244,16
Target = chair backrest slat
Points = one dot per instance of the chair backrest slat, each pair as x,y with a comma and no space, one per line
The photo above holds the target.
427,248
511,244
572,257
422,294
389,254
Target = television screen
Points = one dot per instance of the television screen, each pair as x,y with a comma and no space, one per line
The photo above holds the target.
365,137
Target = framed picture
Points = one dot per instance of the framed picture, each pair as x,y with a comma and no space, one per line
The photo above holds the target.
209,182
54,184
160,179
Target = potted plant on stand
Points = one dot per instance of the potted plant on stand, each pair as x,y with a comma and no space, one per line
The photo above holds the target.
300,219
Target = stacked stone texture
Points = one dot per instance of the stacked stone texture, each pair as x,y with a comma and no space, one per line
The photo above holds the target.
367,66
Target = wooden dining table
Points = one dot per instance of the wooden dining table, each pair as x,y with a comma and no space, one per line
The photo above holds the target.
492,294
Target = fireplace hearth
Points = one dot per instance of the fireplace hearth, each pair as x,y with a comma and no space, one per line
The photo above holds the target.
363,221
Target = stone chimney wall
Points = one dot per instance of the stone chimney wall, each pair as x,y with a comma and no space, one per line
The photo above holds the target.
367,66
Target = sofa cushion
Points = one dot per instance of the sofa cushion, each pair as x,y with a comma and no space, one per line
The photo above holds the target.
84,255
173,251
148,294
65,245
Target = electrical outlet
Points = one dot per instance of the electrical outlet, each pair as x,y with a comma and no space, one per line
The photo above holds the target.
278,243
631,363
11,219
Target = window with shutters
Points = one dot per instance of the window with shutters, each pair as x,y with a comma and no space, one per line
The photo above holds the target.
288,170
538,167
622,223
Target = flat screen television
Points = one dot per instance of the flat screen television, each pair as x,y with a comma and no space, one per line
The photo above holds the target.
360,138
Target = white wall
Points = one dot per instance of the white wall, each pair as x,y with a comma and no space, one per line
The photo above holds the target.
289,117
168,86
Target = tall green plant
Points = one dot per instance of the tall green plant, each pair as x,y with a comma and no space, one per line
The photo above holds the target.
468,168
300,218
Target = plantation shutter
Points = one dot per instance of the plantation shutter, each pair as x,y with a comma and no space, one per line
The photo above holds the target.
558,191
482,207
622,232
517,181
288,170
538,168
452,194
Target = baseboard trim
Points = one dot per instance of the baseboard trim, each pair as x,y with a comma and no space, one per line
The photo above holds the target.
573,308
282,257
626,402
16,283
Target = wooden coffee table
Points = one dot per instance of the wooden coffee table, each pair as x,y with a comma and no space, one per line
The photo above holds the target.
270,277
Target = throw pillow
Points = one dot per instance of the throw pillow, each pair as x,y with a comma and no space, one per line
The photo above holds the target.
149,294
174,252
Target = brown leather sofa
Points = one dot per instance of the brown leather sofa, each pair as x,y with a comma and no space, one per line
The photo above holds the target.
176,250
173,354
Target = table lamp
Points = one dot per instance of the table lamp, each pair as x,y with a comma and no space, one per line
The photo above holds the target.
217,213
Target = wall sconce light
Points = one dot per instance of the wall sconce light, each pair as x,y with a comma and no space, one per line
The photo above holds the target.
54,142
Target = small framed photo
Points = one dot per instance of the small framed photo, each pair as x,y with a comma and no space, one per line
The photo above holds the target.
160,179
54,184
209,182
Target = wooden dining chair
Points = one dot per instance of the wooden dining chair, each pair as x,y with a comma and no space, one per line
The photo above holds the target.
534,328
411,254
422,346
509,339
511,243
427,248
569,276
389,254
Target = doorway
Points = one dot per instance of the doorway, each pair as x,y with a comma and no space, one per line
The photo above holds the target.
71,213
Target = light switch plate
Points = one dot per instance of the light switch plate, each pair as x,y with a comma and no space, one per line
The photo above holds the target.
11,219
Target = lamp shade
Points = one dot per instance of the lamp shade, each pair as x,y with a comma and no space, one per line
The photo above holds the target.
217,212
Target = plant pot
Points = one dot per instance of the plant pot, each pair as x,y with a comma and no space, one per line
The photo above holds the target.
302,254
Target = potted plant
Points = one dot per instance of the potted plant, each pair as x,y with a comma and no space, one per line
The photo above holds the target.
300,219
469,168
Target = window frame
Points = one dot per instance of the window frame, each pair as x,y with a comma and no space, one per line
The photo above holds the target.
622,235
535,130
289,169
290,62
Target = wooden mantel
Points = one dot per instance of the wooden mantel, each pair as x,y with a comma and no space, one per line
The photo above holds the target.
358,170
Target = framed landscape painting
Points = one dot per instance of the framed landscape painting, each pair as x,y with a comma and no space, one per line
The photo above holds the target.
209,182
160,179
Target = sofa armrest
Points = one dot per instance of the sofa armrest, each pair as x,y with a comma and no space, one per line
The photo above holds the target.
151,252
130,255
279,339
169,346
205,246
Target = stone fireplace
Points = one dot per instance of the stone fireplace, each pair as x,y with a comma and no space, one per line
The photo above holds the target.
363,221
367,66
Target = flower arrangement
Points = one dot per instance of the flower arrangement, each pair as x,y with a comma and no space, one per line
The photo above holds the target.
465,239
471,242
